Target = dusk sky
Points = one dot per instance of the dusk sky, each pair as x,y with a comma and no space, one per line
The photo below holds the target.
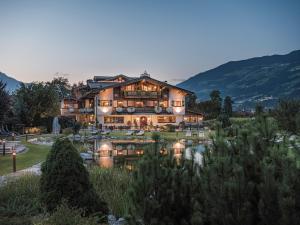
172,40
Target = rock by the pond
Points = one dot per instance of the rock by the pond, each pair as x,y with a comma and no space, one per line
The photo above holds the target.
112,220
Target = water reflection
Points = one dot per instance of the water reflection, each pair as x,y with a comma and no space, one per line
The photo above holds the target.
125,153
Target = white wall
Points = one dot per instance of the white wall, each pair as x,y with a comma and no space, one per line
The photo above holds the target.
176,95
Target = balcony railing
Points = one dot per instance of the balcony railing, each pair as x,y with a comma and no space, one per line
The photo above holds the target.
86,110
142,94
69,111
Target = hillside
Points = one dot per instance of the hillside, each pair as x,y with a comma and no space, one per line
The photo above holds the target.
261,79
11,83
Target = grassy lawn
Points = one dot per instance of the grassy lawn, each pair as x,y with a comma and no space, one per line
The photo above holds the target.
34,155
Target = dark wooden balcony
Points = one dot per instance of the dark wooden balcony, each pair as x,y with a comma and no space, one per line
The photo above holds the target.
141,94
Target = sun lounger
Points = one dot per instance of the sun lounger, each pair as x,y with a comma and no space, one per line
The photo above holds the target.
106,132
188,133
140,133
129,132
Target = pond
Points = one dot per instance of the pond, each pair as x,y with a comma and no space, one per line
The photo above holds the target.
126,153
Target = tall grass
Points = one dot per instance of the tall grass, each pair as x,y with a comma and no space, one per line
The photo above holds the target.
113,186
19,200
64,215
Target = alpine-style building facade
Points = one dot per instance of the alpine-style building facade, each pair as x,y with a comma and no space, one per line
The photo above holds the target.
129,101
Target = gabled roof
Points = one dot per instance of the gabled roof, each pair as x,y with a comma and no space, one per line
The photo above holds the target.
104,82
119,84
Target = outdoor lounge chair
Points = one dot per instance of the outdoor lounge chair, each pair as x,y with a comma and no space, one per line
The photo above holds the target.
129,132
188,133
94,132
140,133
105,132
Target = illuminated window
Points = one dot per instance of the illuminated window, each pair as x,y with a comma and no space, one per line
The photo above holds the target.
113,119
139,104
191,119
120,104
105,103
177,103
130,103
163,104
166,119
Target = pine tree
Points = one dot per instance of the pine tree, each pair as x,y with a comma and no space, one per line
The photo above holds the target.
162,191
228,106
65,177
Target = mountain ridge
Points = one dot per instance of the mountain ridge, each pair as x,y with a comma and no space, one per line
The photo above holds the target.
11,83
258,79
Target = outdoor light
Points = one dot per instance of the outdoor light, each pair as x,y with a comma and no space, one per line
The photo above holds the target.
105,109
14,155
3,142
177,109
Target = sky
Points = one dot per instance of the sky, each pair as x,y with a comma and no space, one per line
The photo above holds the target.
173,40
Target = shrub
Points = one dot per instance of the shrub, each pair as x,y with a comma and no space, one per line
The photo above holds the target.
67,131
169,128
65,177
112,185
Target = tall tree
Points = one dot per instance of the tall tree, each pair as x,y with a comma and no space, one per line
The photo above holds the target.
162,191
62,86
35,101
287,114
4,102
228,106
216,100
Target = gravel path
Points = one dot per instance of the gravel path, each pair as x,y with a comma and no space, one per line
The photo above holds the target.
35,169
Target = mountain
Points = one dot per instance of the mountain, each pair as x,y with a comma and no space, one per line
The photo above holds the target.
11,83
261,79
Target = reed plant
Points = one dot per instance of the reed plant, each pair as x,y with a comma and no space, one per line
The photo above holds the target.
112,185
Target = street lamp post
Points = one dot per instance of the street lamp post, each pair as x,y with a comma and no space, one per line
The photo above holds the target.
14,156
3,142
26,132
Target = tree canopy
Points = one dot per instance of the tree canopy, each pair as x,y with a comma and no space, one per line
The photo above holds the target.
35,101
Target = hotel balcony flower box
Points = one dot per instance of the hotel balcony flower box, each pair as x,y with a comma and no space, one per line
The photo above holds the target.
86,110
140,110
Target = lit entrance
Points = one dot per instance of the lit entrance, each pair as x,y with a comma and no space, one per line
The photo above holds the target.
143,121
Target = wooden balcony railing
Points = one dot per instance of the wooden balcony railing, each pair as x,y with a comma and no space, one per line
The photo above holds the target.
142,94
69,111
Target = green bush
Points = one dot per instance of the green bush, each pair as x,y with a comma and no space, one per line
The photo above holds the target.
67,131
65,177
112,185
169,128
64,215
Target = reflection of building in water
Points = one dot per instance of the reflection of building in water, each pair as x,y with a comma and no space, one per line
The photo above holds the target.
178,149
125,153
119,152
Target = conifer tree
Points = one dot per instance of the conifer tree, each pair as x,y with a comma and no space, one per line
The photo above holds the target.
162,191
64,177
